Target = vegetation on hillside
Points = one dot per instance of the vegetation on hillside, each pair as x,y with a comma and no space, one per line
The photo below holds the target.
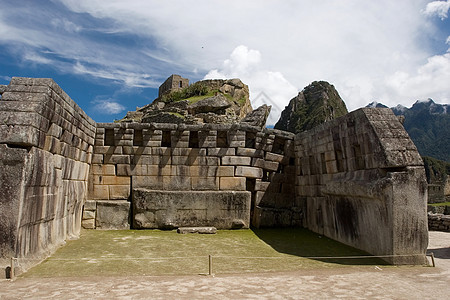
435,169
194,90
429,131
317,103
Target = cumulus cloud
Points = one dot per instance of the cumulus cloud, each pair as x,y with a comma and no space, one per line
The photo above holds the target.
369,50
434,75
108,106
439,8
266,87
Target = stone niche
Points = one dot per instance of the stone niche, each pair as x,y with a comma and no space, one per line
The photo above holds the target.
172,209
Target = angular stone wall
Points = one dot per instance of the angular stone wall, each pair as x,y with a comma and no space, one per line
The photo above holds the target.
362,182
170,157
46,144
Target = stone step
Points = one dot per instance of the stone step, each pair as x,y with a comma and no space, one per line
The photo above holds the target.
202,230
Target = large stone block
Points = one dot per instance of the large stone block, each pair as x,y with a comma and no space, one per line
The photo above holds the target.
203,171
172,209
12,164
225,171
121,192
249,172
236,160
232,183
205,183
100,192
112,215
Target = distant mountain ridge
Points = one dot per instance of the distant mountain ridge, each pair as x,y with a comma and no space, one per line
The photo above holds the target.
428,125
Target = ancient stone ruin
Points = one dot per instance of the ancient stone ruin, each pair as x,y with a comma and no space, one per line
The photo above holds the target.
357,179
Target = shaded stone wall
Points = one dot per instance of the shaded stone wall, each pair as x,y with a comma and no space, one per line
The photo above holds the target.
362,182
170,157
439,222
46,144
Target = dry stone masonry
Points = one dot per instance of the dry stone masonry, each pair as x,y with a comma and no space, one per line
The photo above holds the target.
46,144
358,179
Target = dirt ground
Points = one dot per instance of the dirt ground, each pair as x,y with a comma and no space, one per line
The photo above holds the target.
366,282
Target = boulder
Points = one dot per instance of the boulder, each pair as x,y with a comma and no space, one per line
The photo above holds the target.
215,104
258,117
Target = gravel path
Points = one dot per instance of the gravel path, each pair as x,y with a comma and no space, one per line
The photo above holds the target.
368,282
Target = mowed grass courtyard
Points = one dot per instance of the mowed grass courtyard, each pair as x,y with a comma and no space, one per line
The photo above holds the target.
156,252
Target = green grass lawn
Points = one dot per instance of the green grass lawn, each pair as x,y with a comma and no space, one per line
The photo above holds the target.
155,252
440,204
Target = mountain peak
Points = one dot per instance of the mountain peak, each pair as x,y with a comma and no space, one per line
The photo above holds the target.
317,103
375,104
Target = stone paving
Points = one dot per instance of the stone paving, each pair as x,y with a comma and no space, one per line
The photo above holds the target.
367,282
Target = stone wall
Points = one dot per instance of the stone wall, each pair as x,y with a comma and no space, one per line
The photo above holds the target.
439,222
173,83
170,157
362,182
358,179
46,144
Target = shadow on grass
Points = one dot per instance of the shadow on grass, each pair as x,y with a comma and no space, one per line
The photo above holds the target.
305,243
443,253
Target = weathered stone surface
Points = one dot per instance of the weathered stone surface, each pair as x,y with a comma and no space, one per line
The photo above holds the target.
232,183
12,165
213,104
55,138
171,209
248,172
201,230
439,222
258,117
113,215
88,223
164,117
354,199
236,160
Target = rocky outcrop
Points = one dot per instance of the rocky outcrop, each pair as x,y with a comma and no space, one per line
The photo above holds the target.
319,102
258,117
217,101
215,104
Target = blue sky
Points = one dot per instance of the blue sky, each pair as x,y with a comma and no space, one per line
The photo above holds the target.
111,56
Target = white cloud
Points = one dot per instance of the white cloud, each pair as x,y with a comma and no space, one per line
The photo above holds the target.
359,46
439,8
36,58
132,79
430,81
66,25
6,78
266,87
109,107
